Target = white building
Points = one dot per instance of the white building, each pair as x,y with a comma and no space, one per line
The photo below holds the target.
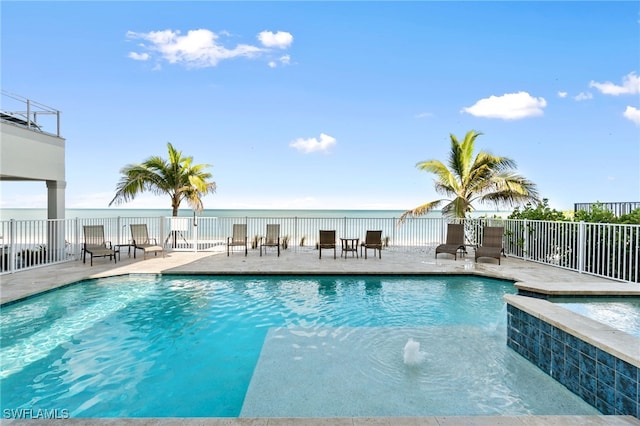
31,148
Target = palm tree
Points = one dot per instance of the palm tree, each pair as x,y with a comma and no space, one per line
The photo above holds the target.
485,178
176,177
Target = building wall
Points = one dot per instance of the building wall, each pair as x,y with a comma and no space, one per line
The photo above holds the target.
30,155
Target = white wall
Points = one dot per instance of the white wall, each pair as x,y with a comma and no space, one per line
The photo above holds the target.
32,155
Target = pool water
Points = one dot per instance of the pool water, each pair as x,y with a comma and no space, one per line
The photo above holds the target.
621,313
285,346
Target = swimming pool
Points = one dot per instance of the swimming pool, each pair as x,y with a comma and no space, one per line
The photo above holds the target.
621,313
285,346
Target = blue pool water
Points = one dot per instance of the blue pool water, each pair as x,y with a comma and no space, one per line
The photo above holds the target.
288,346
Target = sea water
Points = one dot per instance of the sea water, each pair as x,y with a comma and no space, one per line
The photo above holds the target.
40,214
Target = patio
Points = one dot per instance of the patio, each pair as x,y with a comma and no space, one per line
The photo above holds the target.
420,261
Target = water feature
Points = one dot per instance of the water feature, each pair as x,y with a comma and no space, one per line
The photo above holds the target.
288,346
412,354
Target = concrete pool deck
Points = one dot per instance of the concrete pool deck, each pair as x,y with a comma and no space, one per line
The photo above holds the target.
533,276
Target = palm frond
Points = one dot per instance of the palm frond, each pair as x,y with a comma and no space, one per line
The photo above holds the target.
420,210
511,189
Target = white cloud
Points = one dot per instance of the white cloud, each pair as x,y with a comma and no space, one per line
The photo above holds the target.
283,60
424,115
632,114
281,39
562,94
630,86
510,106
203,48
307,146
139,56
583,96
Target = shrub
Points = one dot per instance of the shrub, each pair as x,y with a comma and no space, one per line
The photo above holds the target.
540,212
597,214
632,218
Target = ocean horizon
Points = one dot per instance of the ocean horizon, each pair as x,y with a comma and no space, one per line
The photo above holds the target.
41,213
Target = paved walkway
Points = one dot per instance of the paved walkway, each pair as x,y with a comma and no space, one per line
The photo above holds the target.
304,261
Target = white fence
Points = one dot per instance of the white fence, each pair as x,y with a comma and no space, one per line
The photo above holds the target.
605,250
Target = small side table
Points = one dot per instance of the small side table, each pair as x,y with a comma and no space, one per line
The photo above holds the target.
118,249
349,245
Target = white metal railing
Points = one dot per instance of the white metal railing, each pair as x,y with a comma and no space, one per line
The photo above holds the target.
602,249
605,250
33,115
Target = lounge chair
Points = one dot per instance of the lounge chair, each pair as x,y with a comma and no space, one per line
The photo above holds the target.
327,241
272,239
491,243
372,240
454,242
95,245
141,241
239,237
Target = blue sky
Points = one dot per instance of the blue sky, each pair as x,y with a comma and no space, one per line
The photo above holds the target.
331,104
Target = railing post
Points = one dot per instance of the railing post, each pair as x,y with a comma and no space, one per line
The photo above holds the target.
295,232
12,246
582,245
394,229
28,114
525,239
76,240
120,230
195,233
344,226
162,233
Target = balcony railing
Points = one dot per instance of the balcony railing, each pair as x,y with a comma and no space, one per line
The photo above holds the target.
30,114
617,208
604,250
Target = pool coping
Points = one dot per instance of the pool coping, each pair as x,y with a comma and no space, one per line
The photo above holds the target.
595,288
616,342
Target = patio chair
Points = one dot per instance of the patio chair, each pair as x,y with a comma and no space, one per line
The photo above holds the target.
454,242
95,244
491,243
372,240
141,241
239,237
272,239
327,241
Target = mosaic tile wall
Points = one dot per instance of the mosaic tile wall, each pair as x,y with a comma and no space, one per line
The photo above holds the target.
603,380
